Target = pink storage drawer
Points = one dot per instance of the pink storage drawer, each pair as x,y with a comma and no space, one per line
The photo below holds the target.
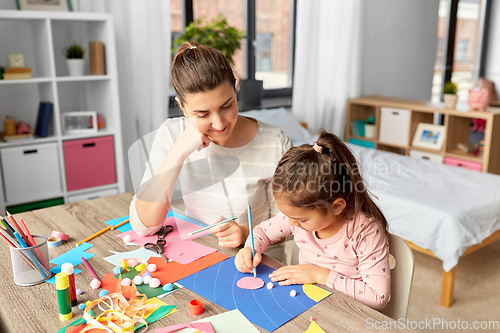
89,162
464,164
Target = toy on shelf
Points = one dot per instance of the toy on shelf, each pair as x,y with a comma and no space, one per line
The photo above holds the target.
473,148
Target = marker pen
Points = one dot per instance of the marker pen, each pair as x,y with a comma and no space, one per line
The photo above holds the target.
63,298
67,267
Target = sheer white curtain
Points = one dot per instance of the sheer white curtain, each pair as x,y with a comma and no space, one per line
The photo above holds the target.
143,42
327,62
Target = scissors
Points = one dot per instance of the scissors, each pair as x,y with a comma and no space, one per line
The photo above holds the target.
161,242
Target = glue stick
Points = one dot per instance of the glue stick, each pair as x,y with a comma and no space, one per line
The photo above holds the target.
63,297
68,268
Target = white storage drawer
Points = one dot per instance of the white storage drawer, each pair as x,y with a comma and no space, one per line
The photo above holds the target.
92,195
394,126
31,172
421,155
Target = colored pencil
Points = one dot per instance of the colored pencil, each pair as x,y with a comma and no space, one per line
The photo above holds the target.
89,268
6,226
250,228
22,254
33,243
14,223
113,227
30,254
212,225
94,235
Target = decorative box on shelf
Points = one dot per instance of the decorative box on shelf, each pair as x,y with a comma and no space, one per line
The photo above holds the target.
79,122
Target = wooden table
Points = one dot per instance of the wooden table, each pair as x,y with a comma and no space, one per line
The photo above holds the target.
35,309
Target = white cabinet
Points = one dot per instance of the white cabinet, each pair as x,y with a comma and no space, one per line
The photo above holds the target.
42,37
394,126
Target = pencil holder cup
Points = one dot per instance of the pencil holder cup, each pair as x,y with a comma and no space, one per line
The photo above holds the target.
30,265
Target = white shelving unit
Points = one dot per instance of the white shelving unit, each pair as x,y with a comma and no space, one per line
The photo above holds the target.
42,37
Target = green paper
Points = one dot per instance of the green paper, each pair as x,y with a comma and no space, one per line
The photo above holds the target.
75,323
144,288
160,312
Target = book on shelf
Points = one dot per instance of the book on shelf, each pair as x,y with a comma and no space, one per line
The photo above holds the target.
358,127
16,76
18,70
43,119
96,53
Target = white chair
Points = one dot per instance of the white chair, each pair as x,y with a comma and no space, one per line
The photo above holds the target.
402,264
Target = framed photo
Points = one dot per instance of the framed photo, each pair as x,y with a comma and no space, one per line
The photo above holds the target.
61,5
16,60
429,136
79,122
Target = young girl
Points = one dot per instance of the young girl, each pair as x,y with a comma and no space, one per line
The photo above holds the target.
222,160
340,231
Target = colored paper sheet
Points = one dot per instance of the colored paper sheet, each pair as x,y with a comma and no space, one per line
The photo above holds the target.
173,271
227,321
74,327
314,328
315,293
73,256
182,251
139,253
267,308
124,228
205,327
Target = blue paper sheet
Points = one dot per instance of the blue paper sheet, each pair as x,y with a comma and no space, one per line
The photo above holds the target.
267,308
124,228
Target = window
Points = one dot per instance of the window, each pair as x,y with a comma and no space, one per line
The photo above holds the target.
461,28
270,23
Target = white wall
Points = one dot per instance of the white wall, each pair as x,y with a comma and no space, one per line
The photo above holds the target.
399,48
492,67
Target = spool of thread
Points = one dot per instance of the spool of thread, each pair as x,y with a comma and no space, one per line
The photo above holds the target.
9,125
63,297
68,269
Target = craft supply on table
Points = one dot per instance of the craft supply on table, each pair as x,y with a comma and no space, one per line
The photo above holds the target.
196,307
250,283
33,243
212,225
17,228
63,296
68,268
113,227
31,271
250,228
94,235
160,243
54,242
95,283
60,235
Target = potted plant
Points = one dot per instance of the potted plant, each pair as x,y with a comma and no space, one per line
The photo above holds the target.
219,35
370,128
75,61
450,95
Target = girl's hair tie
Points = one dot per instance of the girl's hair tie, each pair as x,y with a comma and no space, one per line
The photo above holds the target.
192,47
318,149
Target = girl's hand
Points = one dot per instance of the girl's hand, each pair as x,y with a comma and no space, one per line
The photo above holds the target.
230,234
191,139
300,274
243,260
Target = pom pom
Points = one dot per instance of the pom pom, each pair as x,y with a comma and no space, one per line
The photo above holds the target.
95,284
126,282
123,265
140,267
293,293
270,285
152,268
81,306
146,274
79,292
117,270
146,278
154,283
138,280
87,303
103,292
127,239
132,263
168,287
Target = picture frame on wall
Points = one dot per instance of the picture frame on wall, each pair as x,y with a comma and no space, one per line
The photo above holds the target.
51,5
429,136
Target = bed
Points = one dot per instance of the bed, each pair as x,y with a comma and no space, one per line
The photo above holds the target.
440,210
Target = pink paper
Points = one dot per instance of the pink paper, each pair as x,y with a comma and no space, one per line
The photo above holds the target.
182,228
182,251
250,282
205,327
